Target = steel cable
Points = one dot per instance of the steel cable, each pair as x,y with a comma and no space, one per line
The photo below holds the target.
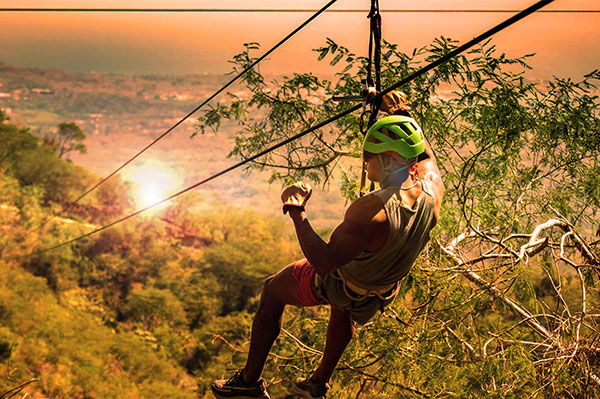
248,68
402,82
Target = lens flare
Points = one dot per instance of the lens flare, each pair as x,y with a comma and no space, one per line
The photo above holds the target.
152,183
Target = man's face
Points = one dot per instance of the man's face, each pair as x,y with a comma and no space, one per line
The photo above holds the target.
373,167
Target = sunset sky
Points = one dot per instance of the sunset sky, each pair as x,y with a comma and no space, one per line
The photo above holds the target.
134,43
197,43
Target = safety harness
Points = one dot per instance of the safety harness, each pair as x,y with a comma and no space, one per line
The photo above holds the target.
371,87
356,290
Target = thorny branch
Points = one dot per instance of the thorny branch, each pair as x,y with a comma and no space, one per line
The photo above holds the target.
564,335
15,391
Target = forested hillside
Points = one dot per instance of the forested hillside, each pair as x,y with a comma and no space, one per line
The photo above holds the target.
122,114
503,303
142,310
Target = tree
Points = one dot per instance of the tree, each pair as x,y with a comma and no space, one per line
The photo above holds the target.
151,307
61,180
14,141
69,137
504,300
22,157
113,198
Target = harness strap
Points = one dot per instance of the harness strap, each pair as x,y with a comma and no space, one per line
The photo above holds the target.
374,45
374,58
363,179
361,291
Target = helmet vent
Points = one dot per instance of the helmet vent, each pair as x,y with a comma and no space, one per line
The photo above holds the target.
404,128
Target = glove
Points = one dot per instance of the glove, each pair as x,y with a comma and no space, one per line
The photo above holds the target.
296,195
395,103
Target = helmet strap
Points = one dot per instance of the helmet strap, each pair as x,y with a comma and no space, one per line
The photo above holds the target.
386,173
403,165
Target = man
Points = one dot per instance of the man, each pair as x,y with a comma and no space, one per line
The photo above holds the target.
358,271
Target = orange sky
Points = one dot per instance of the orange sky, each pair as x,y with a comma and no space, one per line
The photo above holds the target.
566,44
134,43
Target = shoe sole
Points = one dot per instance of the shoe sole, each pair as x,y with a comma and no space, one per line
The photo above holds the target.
240,397
304,394
219,396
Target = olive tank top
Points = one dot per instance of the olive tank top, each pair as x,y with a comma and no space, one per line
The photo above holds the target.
409,233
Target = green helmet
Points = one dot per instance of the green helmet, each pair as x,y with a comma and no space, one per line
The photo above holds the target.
408,141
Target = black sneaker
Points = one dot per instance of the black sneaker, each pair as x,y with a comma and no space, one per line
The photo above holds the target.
308,389
236,388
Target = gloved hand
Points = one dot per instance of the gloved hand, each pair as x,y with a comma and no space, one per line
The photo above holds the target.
296,195
395,103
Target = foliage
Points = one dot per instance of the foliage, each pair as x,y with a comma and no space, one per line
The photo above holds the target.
503,303
14,141
133,312
520,162
54,343
38,164
147,296
152,306
68,137
129,312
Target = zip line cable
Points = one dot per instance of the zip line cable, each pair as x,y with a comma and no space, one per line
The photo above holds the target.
252,65
278,10
409,78
224,171
515,18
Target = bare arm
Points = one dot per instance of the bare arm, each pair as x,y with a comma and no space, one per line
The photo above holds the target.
362,226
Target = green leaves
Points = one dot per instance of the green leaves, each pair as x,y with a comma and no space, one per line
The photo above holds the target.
480,99
162,296
514,153
151,307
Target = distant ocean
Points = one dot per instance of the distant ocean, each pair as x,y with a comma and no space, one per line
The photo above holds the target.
171,44
197,43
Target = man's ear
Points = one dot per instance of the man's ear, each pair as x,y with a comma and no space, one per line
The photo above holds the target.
388,161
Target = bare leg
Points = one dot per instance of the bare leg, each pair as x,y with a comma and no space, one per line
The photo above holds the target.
278,292
339,334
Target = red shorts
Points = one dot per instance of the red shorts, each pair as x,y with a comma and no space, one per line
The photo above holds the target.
305,274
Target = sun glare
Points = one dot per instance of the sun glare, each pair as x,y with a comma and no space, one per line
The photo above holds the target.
152,183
